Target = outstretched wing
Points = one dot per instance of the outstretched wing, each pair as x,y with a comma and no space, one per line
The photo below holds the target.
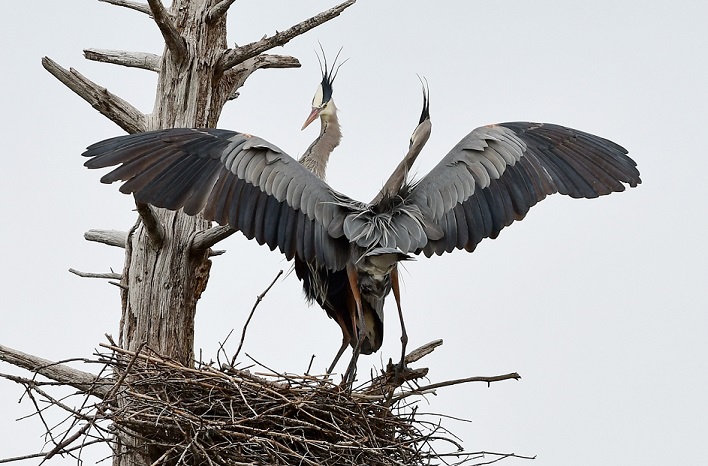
496,173
231,178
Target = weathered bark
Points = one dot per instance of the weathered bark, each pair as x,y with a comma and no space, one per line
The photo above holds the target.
167,253
146,61
82,381
165,282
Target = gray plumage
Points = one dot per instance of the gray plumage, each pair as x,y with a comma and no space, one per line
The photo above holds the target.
491,178
316,156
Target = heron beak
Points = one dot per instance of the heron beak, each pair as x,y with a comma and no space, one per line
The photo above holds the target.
313,116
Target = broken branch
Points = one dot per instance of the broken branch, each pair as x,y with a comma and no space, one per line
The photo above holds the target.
173,39
233,57
142,60
111,106
207,238
110,276
242,71
275,61
422,351
141,7
219,10
110,237
153,227
84,381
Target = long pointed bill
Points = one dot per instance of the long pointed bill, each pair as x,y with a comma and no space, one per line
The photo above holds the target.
313,116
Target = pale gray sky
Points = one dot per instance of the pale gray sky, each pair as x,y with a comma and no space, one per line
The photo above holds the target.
599,304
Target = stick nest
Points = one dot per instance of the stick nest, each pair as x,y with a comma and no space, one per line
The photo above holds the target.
208,415
215,416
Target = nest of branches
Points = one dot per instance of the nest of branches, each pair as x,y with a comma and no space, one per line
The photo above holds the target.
209,415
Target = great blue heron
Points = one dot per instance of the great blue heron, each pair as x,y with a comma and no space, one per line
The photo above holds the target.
330,288
489,179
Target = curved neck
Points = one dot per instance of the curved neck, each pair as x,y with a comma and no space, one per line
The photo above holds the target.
400,174
316,156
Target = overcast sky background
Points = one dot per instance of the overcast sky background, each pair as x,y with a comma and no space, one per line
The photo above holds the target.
599,305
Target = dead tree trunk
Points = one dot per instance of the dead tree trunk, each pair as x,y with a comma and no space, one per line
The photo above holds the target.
167,253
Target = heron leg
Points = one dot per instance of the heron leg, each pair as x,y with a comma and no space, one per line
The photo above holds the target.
358,318
350,374
346,339
397,295
358,321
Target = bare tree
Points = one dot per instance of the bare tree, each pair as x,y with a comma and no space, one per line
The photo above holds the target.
167,253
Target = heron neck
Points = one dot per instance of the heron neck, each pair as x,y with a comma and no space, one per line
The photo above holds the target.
400,174
316,156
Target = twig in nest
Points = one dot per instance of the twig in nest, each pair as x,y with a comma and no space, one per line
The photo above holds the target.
429,388
255,305
66,450
85,428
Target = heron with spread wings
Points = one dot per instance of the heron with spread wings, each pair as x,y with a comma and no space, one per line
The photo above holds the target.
491,178
331,289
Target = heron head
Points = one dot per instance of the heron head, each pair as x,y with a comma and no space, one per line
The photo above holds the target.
322,103
422,131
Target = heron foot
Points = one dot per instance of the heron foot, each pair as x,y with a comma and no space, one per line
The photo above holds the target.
399,372
350,375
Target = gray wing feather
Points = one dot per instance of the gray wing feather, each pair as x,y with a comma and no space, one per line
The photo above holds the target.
280,185
255,168
294,194
268,176
495,174
234,179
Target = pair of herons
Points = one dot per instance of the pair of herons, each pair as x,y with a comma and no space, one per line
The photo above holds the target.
346,252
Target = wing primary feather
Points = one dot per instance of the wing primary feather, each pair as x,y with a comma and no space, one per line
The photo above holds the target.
461,227
308,243
142,162
583,179
272,222
288,234
475,223
203,186
224,181
121,149
139,178
232,204
604,166
247,209
174,185
260,217
496,208
486,210
519,195
450,230
221,205
319,242
300,236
